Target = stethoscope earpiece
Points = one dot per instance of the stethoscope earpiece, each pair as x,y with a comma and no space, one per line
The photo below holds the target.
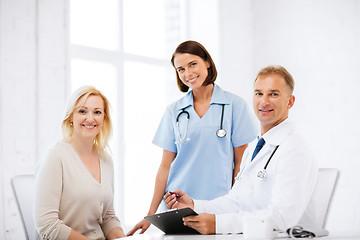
182,139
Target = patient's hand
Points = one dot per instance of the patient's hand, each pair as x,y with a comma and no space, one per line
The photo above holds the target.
143,225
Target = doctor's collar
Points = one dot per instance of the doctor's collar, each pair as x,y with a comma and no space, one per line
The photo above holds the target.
276,134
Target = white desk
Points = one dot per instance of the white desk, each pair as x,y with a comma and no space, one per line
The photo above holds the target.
154,233
160,236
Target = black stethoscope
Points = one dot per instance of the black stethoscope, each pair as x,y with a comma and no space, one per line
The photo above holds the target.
262,174
220,132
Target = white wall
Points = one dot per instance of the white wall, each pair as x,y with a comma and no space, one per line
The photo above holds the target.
236,45
202,24
33,83
319,43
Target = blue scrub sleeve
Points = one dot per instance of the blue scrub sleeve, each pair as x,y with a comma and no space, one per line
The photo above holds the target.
244,128
164,136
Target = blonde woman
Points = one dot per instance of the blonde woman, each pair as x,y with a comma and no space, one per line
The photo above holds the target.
74,181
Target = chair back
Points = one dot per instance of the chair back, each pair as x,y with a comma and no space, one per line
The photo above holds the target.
320,202
23,187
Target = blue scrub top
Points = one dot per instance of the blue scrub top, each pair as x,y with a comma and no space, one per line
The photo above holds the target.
203,166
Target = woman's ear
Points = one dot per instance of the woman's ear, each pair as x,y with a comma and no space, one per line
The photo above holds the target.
208,64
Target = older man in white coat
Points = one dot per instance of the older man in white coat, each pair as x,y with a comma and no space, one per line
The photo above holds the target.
277,175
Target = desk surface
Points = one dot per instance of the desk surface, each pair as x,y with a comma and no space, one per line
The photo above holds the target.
161,236
154,233
217,237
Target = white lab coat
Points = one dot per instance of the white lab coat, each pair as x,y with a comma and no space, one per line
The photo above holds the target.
283,195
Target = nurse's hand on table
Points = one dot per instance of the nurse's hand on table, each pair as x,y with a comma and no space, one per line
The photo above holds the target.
178,199
204,223
143,225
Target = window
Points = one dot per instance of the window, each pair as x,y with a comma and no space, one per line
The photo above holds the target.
123,48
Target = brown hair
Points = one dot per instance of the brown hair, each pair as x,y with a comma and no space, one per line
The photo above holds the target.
197,49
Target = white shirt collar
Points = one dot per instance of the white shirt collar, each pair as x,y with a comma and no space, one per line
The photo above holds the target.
278,133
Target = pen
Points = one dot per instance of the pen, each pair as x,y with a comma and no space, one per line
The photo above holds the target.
176,195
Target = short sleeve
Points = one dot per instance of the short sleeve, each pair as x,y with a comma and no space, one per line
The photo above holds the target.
164,136
244,128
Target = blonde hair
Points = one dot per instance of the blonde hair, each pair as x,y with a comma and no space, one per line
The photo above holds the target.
77,100
276,69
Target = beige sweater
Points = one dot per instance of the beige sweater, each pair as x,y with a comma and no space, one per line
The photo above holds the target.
68,197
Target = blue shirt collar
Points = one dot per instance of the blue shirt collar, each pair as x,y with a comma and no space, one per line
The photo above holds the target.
218,97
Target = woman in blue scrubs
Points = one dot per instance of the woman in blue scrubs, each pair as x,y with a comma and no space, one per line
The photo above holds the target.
196,158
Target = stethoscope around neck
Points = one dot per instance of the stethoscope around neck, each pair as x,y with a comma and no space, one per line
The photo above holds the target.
262,174
220,132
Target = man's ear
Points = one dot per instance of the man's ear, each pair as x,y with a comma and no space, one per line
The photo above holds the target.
291,101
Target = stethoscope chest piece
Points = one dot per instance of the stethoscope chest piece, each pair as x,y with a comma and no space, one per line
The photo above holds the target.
221,133
262,175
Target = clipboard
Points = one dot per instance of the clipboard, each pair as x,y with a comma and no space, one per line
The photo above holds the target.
170,222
